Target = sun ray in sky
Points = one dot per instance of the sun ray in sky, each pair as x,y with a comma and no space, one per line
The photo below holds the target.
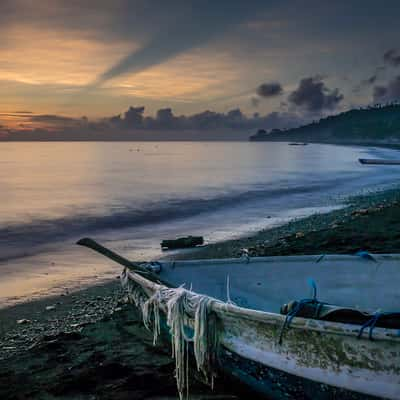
98,59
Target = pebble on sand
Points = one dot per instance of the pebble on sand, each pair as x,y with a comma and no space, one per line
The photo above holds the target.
23,321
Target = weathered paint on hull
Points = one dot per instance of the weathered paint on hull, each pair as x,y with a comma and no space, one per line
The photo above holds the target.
278,385
320,357
316,351
271,382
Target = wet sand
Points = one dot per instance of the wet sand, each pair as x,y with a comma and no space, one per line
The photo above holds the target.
92,345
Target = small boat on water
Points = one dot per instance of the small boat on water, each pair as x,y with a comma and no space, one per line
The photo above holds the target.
247,317
298,144
375,161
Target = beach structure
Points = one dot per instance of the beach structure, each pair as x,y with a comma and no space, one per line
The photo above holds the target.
254,319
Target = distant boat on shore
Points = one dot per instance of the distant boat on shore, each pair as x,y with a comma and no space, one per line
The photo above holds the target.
376,161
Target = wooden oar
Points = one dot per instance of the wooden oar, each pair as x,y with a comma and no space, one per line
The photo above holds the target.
134,267
375,161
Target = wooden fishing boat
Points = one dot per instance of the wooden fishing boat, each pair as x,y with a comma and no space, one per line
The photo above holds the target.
230,315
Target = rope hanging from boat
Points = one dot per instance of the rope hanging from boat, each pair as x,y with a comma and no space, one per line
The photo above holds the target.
371,323
135,293
366,255
228,292
379,318
152,307
299,305
180,306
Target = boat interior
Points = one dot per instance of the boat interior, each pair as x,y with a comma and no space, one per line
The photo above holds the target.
367,283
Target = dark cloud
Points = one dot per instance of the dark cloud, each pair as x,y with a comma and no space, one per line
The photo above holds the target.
379,92
161,29
15,114
207,124
366,83
57,122
270,89
4,132
133,117
312,95
207,120
392,57
371,80
53,119
196,24
94,19
233,120
390,92
166,118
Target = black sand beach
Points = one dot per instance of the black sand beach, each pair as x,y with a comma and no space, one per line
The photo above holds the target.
92,345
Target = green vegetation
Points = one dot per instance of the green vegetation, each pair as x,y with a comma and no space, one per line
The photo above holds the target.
376,125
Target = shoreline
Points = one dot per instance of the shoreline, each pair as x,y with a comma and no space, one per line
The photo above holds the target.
92,341
389,146
395,146
49,265
222,249
315,234
301,236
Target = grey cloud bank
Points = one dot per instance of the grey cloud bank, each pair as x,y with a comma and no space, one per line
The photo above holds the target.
314,96
392,57
388,92
201,22
271,89
165,125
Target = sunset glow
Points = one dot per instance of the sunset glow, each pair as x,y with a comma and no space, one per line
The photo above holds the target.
97,60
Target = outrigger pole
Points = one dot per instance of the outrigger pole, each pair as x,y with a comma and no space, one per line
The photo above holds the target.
132,266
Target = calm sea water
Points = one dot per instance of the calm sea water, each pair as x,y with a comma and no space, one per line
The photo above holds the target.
131,195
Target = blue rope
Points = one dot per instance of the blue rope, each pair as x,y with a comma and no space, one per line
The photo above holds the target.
291,314
366,255
299,306
371,323
313,286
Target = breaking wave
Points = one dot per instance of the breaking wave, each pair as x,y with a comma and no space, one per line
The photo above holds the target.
43,231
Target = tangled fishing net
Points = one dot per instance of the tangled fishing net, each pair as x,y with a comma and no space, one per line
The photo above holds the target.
182,307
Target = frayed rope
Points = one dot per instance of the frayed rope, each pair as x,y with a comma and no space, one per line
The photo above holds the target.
181,305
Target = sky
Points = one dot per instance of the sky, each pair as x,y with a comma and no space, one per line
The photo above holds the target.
149,65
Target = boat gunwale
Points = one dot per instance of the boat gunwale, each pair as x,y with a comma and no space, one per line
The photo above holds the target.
327,327
316,258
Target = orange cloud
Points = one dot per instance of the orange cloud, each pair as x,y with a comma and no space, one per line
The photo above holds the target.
199,75
36,56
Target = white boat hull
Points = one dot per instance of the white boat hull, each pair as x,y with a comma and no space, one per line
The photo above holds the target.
325,353
313,358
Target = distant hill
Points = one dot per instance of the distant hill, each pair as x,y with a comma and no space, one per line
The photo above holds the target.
378,125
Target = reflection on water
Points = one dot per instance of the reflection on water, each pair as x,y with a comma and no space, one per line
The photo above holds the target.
136,193
47,180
